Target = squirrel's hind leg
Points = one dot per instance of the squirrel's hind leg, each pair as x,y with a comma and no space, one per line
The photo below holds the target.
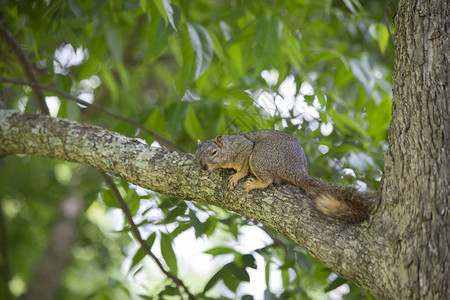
258,183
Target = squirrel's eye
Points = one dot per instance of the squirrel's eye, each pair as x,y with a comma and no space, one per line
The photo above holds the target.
213,152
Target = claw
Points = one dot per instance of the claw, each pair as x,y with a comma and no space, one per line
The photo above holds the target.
248,184
232,182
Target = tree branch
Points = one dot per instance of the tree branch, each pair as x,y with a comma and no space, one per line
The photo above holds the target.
353,251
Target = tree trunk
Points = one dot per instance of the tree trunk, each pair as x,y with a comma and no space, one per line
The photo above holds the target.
415,192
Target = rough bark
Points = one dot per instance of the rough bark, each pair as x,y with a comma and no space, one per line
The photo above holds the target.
415,193
350,250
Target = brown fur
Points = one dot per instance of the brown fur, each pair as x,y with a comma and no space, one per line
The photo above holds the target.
273,156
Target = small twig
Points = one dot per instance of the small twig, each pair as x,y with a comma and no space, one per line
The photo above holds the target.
137,235
163,141
27,67
387,13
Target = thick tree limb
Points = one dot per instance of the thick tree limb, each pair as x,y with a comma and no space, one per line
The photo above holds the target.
350,250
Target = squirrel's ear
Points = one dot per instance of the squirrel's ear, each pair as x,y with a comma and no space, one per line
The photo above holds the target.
218,141
198,142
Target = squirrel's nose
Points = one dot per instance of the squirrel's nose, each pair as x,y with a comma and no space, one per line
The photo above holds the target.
204,166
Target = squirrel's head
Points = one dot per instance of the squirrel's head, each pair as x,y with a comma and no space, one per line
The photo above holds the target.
210,154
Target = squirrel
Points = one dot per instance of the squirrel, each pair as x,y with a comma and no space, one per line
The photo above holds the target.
273,156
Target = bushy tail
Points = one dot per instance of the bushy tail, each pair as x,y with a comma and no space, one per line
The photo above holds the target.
342,202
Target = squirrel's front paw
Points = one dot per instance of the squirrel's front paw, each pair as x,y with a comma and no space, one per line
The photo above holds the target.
233,180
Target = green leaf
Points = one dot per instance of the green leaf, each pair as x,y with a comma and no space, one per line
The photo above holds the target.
140,254
383,37
265,42
217,46
363,73
249,261
158,40
361,99
169,291
114,43
285,278
351,7
335,284
230,279
237,68
192,125
182,227
133,201
167,203
89,68
76,9
168,253
216,277
103,296
220,251
143,4
203,47
322,102
63,83
174,213
210,226
109,199
379,118
110,82
304,262
157,123
125,290
185,57
239,272
198,226
292,48
309,99
166,11
267,273
346,125
268,295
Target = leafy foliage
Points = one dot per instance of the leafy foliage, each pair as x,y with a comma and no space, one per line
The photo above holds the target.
319,70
